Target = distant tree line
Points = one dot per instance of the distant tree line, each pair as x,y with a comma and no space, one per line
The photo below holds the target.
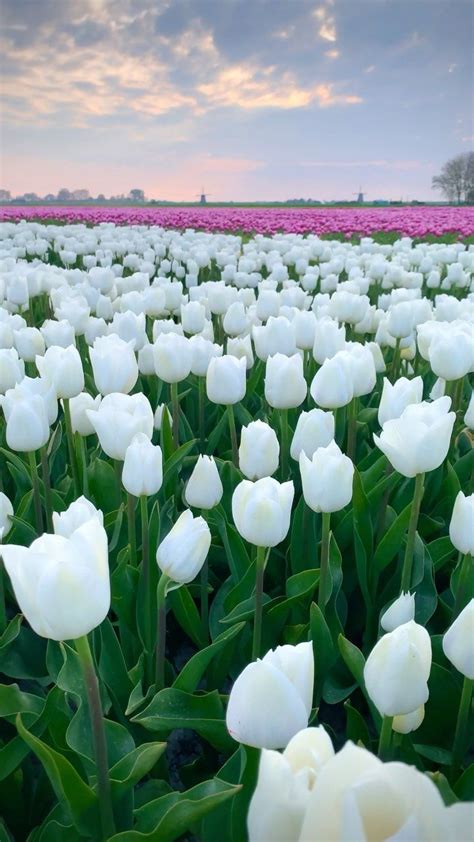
456,179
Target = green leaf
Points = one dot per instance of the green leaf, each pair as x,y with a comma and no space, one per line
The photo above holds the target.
169,817
112,668
361,510
78,799
355,661
125,774
303,540
464,787
103,485
323,647
193,671
356,726
392,541
174,463
204,713
187,615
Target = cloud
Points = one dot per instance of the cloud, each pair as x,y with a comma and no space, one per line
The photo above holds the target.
389,164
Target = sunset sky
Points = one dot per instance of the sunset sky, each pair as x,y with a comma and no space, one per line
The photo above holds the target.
252,99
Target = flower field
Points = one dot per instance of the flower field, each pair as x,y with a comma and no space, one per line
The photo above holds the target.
411,221
236,525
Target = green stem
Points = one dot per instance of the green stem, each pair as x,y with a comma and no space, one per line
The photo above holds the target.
36,491
3,612
395,361
415,511
70,445
284,443
132,532
352,429
459,745
385,737
175,411
98,736
257,625
161,633
233,434
201,393
204,593
48,504
465,586
83,456
324,565
146,567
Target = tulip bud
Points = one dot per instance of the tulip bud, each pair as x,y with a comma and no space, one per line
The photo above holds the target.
327,479
284,784
62,367
329,338
262,510
469,415
332,385
235,320
461,527
226,379
78,407
118,419
6,510
314,429
27,423
271,699
285,386
158,417
172,355
418,441
204,489
397,396
193,317
69,594
241,347
29,343
458,642
400,612
12,369
183,552
114,365
202,352
451,354
142,473
259,450
397,670
408,722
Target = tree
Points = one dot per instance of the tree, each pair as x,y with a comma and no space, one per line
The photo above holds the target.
136,195
456,179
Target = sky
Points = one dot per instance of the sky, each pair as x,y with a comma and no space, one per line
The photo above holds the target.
250,99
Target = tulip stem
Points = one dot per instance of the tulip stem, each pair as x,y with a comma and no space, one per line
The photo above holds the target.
201,384
324,564
3,611
70,445
415,512
36,491
459,745
257,625
396,361
132,533
284,443
204,581
233,434
175,413
98,736
48,505
464,590
161,632
385,738
352,428
83,456
146,568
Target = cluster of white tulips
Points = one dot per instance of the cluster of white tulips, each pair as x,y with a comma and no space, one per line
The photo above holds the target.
286,425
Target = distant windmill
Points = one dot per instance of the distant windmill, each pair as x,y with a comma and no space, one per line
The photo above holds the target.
360,196
202,196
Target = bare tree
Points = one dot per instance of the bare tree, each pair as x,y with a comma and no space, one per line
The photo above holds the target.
456,179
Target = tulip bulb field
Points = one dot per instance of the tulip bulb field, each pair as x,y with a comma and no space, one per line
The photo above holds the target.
236,527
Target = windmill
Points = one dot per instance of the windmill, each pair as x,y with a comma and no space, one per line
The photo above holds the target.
360,196
202,196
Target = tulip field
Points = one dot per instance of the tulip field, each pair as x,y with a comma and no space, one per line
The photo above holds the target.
236,525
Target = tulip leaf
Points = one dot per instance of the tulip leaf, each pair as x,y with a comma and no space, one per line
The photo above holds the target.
11,632
76,797
323,647
172,708
245,610
193,671
169,817
464,787
187,615
217,433
173,465
112,667
22,468
356,726
355,661
441,550
303,540
24,653
128,771
103,485
362,519
392,541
